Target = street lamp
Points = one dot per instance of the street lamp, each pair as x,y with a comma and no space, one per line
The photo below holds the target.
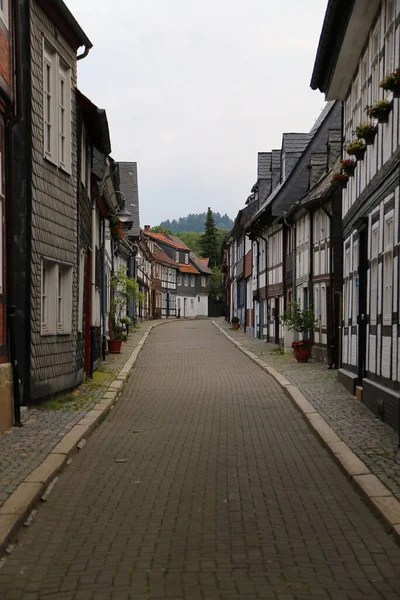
123,215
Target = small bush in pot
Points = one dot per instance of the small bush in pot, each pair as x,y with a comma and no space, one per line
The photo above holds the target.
391,82
235,322
367,131
303,321
380,110
356,148
124,288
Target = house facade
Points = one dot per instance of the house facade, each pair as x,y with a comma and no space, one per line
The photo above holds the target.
367,47
45,201
8,109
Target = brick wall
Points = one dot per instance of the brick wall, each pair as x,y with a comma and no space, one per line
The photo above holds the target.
54,227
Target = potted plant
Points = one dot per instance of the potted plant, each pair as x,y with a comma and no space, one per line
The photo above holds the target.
116,228
367,131
302,321
391,83
341,179
124,288
356,148
235,323
380,110
347,166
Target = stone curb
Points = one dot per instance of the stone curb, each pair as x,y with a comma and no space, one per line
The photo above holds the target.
17,507
379,498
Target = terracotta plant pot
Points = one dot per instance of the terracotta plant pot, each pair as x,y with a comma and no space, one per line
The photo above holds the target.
114,346
302,354
235,325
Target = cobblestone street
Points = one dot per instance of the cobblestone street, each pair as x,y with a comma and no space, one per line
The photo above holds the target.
372,440
203,483
23,449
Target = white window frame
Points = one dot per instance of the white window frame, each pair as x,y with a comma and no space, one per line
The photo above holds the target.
186,280
84,157
177,256
387,268
390,38
323,301
59,118
52,298
186,259
192,280
203,281
4,13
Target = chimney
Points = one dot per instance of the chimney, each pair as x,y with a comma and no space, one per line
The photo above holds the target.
147,227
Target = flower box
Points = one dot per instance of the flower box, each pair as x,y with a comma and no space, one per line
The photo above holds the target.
348,167
357,148
367,132
391,83
341,179
380,111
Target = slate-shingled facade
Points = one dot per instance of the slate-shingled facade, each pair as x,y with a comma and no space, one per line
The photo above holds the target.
45,225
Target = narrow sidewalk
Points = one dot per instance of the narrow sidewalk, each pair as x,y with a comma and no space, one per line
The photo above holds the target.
374,442
23,449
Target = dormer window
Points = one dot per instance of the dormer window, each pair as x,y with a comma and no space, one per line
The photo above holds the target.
177,256
186,259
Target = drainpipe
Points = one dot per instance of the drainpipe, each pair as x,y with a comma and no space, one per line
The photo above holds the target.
13,117
266,284
331,344
293,234
103,288
93,291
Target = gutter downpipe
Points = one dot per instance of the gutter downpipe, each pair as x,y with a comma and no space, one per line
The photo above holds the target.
11,121
261,333
331,345
293,230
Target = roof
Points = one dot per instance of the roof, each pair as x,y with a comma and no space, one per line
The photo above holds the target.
167,238
64,20
188,269
129,187
162,257
344,33
295,185
201,264
264,165
96,122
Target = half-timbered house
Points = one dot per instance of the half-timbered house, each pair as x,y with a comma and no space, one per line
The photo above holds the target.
366,42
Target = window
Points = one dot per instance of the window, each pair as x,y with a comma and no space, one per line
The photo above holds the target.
179,279
323,306
388,267
56,298
389,38
192,281
177,256
83,156
375,63
4,11
317,309
186,259
364,82
56,109
186,281
203,281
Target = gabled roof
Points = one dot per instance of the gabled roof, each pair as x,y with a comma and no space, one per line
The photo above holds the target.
201,264
296,184
96,122
64,20
162,257
129,187
167,238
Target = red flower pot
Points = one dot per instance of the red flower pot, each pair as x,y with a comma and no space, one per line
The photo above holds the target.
302,354
114,346
235,325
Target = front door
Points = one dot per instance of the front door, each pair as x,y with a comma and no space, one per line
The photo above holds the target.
86,362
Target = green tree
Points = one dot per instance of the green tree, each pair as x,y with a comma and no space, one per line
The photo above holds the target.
191,239
209,240
160,229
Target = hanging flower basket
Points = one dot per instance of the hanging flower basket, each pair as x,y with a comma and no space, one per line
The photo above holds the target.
367,132
380,110
357,148
391,83
341,179
116,229
348,166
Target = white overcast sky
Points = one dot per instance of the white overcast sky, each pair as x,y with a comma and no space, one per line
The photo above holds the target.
194,89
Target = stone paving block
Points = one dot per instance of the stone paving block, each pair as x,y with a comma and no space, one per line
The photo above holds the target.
21,499
321,426
351,463
47,470
277,376
371,485
70,440
7,524
115,385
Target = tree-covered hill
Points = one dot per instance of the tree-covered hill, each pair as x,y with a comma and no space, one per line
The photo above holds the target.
195,222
